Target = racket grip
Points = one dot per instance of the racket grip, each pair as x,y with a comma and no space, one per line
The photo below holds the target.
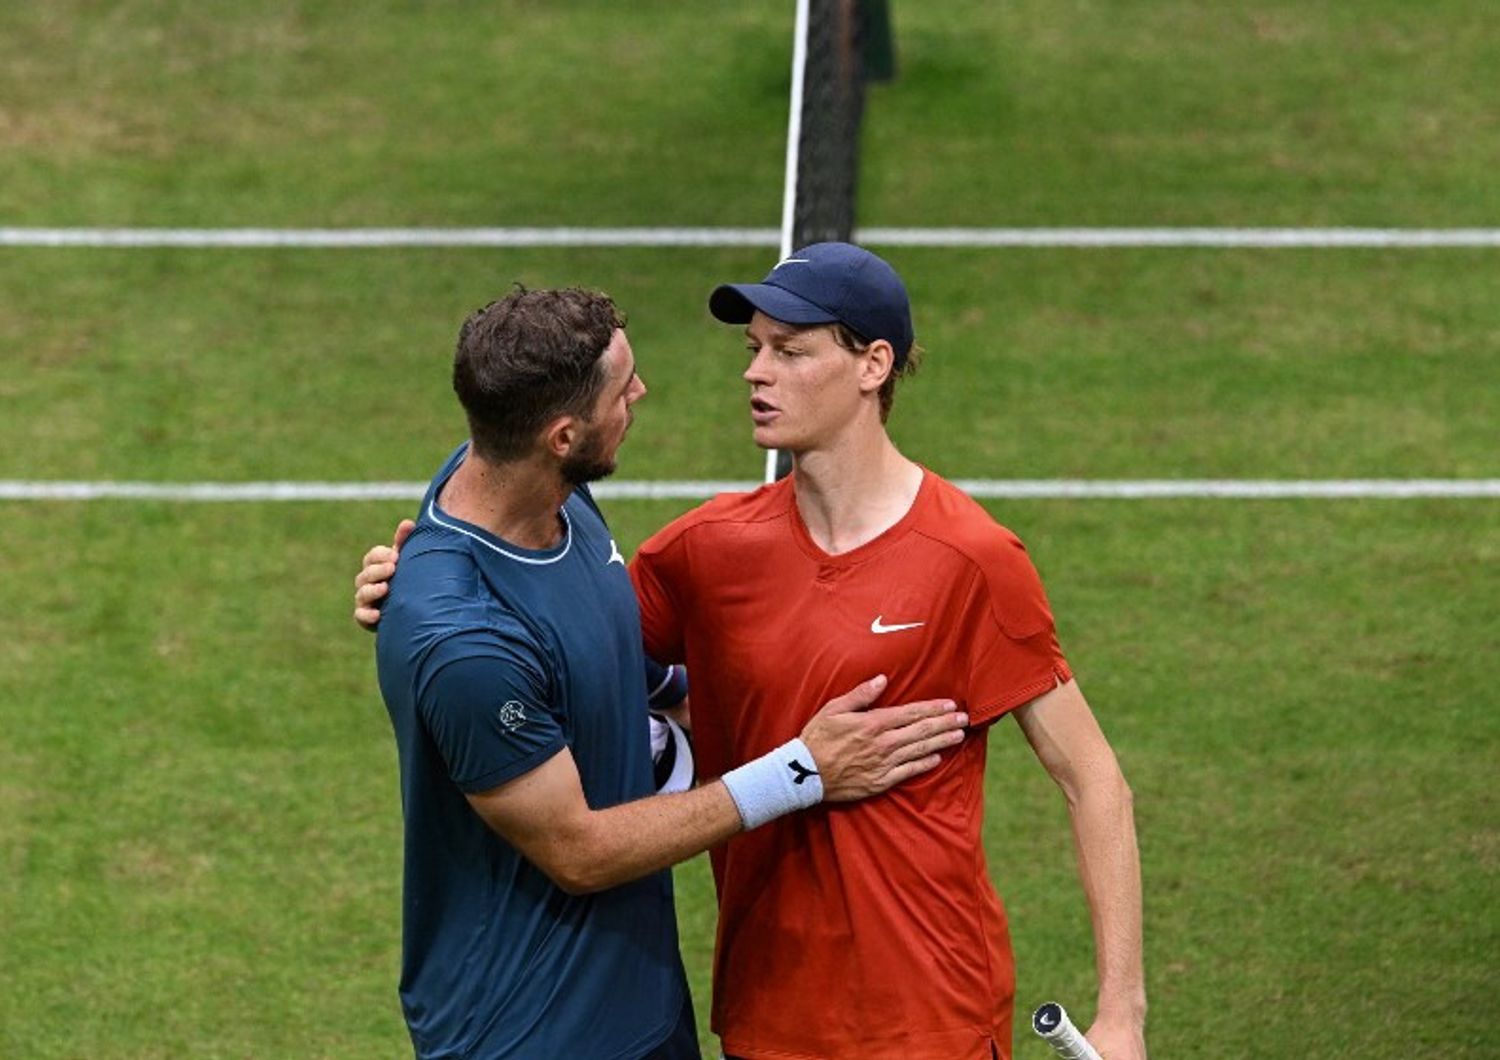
1051,1022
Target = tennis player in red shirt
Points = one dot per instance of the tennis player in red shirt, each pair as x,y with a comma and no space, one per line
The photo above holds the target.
871,931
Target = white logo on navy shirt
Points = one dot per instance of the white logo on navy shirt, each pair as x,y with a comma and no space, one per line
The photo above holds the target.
512,715
614,554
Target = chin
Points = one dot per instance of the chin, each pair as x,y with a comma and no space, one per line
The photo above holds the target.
766,438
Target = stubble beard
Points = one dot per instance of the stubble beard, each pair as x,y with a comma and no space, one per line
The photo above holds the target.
588,463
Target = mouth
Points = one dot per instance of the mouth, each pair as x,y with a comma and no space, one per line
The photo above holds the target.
762,411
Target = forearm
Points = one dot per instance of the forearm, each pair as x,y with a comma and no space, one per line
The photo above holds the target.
622,843
630,840
848,752
1110,869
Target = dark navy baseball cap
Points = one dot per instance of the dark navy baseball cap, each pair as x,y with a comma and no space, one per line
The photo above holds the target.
822,284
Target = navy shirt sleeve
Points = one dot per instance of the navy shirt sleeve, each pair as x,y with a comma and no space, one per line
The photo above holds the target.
486,706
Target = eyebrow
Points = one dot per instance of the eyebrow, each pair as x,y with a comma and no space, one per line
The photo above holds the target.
780,332
629,377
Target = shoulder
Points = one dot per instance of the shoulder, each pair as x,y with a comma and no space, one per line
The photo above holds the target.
486,655
506,643
448,650
461,664
438,572
441,601
1002,567
724,514
958,521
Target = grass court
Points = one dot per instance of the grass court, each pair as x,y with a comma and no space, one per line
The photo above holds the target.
199,818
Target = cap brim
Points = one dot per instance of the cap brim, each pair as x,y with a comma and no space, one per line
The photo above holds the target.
736,303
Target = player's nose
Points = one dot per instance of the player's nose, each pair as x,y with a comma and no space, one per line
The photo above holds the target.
758,370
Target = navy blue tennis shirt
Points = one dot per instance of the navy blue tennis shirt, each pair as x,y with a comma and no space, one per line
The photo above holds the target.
492,658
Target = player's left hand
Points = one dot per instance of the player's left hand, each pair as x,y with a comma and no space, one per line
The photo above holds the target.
1117,1039
862,750
373,581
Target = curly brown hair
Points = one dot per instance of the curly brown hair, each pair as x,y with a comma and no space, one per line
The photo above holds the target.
528,358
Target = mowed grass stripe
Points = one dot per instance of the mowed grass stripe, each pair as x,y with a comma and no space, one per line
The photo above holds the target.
1042,489
1173,112
1261,238
278,365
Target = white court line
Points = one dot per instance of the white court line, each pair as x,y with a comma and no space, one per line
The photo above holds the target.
1020,489
388,237
746,237
1184,237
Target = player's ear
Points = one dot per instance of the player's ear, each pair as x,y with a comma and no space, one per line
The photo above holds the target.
875,366
560,437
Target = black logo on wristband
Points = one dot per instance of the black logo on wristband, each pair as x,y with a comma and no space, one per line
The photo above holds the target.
800,772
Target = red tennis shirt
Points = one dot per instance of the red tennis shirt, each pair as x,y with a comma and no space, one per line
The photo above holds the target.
864,929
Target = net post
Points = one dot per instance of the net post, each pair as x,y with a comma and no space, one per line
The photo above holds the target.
827,106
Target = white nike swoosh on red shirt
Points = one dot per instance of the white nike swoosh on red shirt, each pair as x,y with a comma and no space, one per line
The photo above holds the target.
877,627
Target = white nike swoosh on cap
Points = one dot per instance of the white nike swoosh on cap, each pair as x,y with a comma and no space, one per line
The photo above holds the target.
877,627
792,261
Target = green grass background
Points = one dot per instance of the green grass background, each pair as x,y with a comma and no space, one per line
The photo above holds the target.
212,112
199,821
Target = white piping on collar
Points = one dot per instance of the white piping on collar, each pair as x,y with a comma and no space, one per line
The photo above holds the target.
432,513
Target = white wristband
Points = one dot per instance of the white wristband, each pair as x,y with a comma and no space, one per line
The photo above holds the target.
775,784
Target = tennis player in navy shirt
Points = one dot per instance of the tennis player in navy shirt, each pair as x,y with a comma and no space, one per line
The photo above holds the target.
537,905
493,658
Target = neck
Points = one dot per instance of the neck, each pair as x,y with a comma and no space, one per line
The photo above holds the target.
855,490
517,501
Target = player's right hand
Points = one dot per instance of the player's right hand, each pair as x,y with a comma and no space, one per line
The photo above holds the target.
373,581
1118,1039
862,750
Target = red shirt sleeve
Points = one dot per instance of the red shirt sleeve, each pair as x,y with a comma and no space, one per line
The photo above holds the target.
654,570
1014,655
